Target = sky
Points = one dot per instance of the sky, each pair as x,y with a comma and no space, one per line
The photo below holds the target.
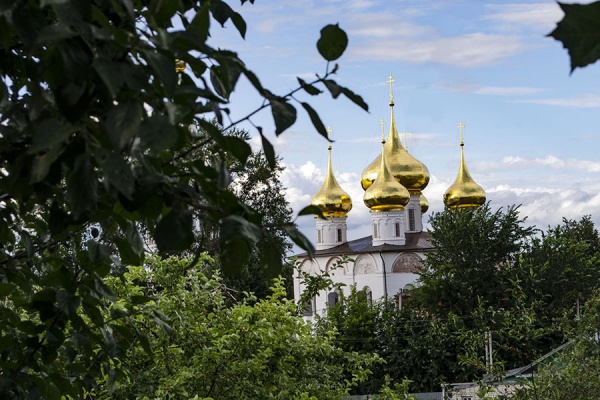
532,129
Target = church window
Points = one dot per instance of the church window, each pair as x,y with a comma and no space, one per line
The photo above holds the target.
319,239
411,219
397,227
308,309
332,299
339,235
375,233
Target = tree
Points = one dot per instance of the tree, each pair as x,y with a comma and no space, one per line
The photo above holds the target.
561,268
93,138
255,349
476,250
574,372
258,185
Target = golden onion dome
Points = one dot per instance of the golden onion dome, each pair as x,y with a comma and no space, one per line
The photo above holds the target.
407,170
331,198
423,203
464,192
385,194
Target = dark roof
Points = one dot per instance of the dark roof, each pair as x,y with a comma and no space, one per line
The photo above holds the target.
418,241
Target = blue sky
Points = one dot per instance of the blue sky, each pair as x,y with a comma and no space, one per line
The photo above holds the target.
532,129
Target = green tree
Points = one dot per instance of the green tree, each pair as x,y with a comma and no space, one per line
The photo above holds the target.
94,132
574,372
561,268
252,350
476,251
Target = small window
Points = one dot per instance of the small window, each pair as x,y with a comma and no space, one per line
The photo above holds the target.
339,235
319,237
332,299
375,233
397,226
308,309
411,219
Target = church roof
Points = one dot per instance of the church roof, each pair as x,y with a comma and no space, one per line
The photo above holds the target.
415,241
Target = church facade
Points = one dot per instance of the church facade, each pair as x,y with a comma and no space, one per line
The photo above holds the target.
384,264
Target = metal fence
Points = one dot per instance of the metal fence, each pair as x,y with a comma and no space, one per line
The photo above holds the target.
419,396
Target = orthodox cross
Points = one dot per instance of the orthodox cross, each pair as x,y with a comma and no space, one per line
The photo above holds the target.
390,81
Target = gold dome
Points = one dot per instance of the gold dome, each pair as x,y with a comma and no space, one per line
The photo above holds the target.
331,198
464,192
406,169
423,203
385,194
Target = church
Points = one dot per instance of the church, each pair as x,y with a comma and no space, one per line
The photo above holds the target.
384,264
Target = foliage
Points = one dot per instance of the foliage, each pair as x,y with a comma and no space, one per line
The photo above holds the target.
252,350
579,32
561,268
93,142
573,373
476,250
399,392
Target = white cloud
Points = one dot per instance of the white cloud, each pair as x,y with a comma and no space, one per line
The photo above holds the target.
466,51
584,101
549,161
538,16
492,90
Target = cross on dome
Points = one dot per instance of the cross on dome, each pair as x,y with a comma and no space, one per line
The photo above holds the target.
391,80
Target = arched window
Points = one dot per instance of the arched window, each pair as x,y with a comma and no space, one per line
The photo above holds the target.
397,228
339,234
332,299
411,219
308,309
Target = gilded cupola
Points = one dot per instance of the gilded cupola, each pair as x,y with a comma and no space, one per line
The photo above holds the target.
385,194
423,203
331,198
464,192
406,169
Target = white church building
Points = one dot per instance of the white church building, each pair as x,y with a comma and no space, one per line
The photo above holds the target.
384,264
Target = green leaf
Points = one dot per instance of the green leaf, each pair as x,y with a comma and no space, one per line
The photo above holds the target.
234,255
332,43
579,32
43,162
157,134
221,11
333,88
48,133
316,120
111,74
164,70
99,253
117,171
310,89
311,210
239,23
128,255
82,186
200,25
68,302
356,99
163,11
123,121
235,226
238,147
300,240
268,150
174,231
284,114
